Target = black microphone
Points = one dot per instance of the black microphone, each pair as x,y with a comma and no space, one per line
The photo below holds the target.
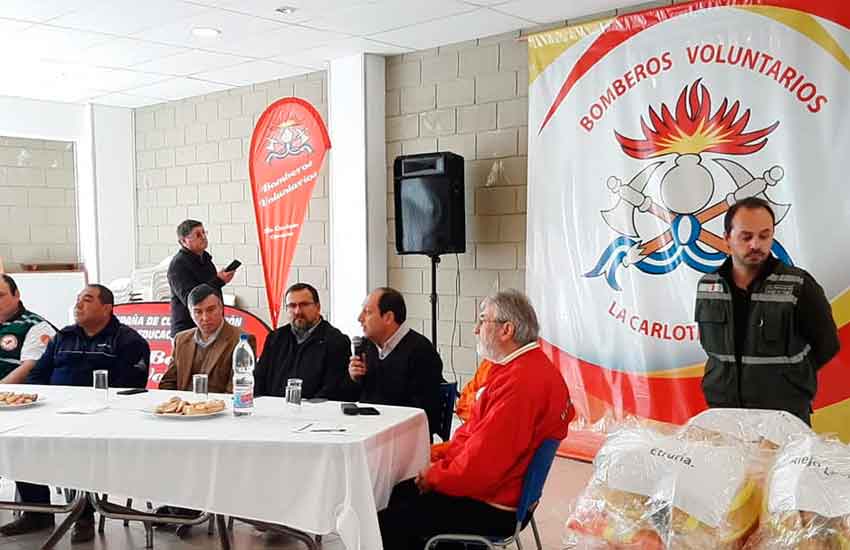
358,346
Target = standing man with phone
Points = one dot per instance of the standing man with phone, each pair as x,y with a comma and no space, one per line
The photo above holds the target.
191,266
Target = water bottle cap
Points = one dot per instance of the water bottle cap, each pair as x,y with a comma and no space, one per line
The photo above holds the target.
243,337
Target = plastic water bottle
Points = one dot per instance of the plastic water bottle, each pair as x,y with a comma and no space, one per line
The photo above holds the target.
243,378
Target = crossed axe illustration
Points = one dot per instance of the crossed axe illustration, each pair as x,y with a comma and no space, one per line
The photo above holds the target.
632,198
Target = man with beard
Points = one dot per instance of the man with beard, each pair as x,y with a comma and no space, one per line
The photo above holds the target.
475,487
308,348
766,327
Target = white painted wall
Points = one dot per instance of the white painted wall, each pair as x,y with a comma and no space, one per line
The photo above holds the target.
115,191
358,189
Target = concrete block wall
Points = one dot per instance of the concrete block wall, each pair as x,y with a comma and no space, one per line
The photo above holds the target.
192,162
470,98
37,202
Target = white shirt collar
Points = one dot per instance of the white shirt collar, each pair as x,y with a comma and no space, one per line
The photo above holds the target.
200,339
524,349
392,341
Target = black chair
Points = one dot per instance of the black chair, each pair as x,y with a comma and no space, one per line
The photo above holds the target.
448,396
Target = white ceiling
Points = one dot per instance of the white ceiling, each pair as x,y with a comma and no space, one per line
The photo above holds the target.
132,53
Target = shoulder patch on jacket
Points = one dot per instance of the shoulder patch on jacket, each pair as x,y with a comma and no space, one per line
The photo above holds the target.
710,287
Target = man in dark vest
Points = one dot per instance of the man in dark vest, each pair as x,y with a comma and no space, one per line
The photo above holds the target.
191,266
23,334
399,365
767,327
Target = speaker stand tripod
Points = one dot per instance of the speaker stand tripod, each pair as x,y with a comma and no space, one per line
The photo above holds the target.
434,261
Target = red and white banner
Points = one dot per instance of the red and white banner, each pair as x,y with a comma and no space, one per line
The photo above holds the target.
643,130
287,151
153,321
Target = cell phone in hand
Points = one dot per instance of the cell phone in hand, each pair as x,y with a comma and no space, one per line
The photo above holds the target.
233,266
132,391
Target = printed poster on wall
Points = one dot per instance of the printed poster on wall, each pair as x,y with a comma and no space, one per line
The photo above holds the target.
287,150
152,320
643,130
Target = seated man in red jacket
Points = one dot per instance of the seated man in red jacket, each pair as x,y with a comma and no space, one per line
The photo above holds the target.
475,487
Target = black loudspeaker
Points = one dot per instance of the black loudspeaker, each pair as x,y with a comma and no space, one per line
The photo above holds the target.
430,217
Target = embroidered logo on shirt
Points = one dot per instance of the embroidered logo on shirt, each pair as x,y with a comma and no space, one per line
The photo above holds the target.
9,342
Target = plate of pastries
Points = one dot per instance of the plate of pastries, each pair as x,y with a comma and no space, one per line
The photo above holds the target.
17,400
177,407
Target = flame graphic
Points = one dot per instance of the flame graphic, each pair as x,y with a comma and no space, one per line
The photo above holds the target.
694,130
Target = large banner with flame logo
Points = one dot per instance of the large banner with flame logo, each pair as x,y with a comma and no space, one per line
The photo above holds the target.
287,151
643,130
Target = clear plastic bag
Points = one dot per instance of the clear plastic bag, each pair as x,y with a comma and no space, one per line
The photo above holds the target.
767,428
689,490
807,505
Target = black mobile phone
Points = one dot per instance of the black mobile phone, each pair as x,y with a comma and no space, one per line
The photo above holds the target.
349,408
233,266
132,391
368,411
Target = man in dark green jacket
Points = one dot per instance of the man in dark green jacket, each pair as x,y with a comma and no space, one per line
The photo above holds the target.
767,327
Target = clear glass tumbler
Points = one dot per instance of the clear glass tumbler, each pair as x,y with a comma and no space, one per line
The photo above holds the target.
101,386
200,387
293,393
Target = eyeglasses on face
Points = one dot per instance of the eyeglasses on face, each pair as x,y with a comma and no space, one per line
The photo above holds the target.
481,320
292,306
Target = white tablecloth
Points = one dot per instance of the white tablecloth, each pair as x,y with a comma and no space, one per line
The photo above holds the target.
256,467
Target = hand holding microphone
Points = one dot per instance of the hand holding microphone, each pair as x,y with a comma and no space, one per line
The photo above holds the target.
357,363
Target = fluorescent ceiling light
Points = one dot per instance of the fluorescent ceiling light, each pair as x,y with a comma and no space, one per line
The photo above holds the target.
206,32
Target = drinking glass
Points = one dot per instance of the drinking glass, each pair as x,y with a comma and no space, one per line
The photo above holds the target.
200,386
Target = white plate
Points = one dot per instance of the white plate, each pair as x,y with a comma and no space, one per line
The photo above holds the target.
186,416
38,401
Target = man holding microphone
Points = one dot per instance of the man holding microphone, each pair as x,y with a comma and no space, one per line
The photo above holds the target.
397,365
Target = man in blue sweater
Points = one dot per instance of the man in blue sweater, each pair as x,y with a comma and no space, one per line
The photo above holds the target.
96,341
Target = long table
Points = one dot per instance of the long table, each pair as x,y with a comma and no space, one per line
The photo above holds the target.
270,467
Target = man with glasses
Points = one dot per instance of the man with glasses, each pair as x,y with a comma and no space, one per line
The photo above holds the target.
308,347
191,266
474,488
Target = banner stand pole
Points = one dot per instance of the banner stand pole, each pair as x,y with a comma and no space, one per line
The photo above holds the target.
434,261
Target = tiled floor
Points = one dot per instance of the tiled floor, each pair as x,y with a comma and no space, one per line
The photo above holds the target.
565,481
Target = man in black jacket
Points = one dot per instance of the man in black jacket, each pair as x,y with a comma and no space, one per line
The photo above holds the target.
191,266
308,347
399,366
